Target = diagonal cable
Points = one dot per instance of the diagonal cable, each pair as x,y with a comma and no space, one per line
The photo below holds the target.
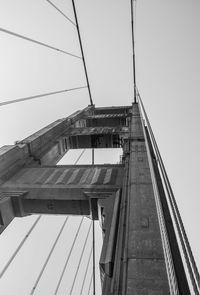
86,271
79,157
39,95
19,247
68,257
49,256
60,11
80,259
38,42
90,284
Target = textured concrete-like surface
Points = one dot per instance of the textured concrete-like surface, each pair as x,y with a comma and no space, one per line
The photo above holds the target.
63,189
59,176
146,271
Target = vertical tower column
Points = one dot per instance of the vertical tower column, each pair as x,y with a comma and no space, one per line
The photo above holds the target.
145,270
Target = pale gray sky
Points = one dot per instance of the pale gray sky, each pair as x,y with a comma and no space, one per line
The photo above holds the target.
167,67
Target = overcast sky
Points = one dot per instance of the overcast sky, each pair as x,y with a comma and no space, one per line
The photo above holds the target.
167,74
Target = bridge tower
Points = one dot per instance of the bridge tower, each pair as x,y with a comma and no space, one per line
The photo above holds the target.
140,253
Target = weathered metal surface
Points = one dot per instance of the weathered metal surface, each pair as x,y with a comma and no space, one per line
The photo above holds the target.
132,259
146,271
66,176
59,189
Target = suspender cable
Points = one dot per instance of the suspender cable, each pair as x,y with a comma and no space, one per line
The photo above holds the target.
93,242
86,271
177,218
68,257
38,42
49,256
79,157
89,286
81,257
20,246
60,11
39,95
81,47
133,48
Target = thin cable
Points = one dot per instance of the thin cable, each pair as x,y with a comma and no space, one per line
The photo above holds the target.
39,95
89,286
19,247
81,47
38,42
49,256
60,11
93,246
133,48
177,217
93,242
79,157
86,271
93,157
80,259
68,257
135,17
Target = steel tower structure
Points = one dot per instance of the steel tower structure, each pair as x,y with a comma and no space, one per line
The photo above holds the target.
140,253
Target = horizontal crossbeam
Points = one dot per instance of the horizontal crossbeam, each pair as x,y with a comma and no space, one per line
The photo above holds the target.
58,190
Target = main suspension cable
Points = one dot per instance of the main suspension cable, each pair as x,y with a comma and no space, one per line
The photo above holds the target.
82,52
20,246
39,95
80,259
38,42
68,257
60,11
177,218
86,271
49,256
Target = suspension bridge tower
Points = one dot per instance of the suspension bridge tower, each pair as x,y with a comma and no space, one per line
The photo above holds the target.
140,253
145,247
